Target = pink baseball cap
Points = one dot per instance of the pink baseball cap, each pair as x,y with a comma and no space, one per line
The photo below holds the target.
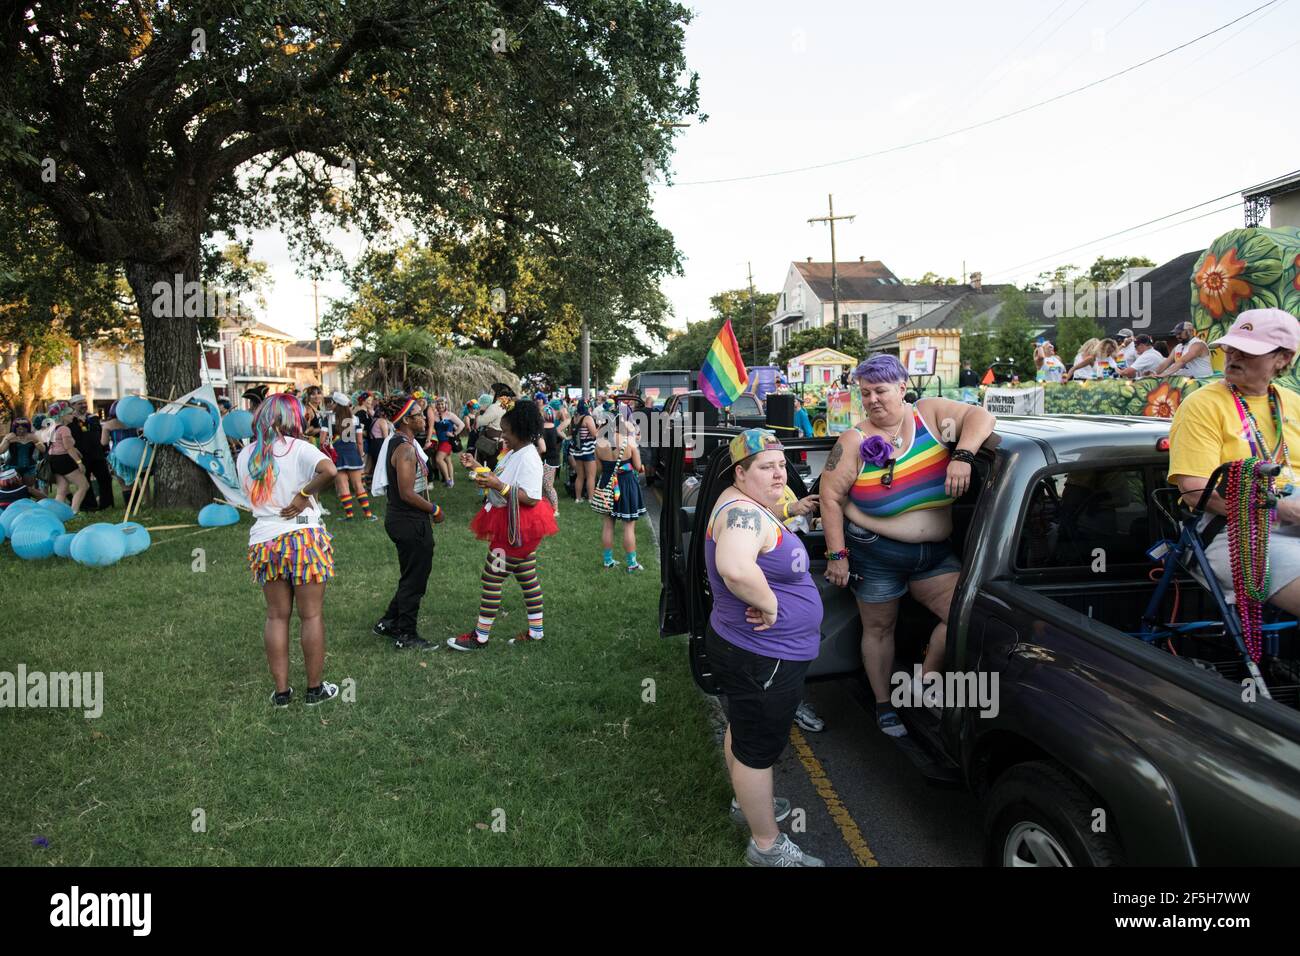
1260,331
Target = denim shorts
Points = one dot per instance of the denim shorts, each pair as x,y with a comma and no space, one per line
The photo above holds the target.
884,566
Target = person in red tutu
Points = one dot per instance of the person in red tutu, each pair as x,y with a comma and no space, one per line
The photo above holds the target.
514,520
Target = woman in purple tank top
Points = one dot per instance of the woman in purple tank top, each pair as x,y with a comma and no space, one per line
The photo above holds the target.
764,631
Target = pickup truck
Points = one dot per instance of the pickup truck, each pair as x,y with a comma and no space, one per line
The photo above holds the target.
1102,749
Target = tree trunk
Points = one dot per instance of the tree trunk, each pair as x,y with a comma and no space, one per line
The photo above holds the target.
171,367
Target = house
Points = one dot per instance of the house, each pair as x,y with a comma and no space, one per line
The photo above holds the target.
302,360
1280,198
254,354
873,301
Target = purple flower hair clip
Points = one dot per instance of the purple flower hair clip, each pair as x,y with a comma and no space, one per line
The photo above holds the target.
875,450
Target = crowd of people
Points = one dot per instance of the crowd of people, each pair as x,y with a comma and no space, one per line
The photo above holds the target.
1127,356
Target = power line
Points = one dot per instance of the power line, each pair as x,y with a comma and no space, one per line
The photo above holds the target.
983,123
1173,225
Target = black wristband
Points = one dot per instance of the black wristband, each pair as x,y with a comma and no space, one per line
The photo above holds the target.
964,456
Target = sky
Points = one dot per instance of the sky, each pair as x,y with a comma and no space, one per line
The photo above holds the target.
787,86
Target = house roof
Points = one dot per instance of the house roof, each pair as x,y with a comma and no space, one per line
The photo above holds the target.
306,348
825,356
1275,187
971,306
255,328
1166,293
857,280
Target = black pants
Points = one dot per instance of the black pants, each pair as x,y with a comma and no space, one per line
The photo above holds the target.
414,540
97,499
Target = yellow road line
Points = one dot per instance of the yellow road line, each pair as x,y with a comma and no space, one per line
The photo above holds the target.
839,813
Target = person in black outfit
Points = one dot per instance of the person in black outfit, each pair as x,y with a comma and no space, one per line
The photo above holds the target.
969,378
87,434
407,523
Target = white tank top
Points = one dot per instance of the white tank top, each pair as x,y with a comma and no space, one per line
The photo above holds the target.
1198,367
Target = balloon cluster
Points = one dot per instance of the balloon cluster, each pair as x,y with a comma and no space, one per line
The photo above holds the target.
35,532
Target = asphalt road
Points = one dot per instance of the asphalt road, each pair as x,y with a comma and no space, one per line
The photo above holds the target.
863,802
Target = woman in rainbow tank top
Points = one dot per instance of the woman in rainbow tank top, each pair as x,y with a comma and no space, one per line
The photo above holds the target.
886,499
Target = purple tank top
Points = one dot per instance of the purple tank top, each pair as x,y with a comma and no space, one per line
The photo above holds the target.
796,635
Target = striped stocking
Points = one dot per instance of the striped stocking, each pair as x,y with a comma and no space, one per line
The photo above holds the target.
346,502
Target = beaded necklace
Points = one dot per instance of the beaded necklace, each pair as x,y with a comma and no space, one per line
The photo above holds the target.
1251,431
1248,496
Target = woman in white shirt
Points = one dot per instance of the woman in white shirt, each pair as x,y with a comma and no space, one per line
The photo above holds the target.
289,549
512,523
1085,362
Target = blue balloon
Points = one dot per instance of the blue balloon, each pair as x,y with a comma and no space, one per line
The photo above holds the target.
199,424
238,424
62,544
137,537
133,410
98,545
218,515
4,532
34,518
21,506
127,455
33,542
59,509
163,429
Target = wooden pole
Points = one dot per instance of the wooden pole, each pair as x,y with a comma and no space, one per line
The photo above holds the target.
135,483
143,479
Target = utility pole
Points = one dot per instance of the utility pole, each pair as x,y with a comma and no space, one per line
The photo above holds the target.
753,323
835,280
316,306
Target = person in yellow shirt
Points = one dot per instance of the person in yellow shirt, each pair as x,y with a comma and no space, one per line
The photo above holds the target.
1238,418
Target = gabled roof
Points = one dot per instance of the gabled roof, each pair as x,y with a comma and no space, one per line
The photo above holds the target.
856,279
824,356
255,328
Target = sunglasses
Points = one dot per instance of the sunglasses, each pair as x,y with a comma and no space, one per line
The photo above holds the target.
887,478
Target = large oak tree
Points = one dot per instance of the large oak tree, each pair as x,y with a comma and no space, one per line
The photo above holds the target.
145,126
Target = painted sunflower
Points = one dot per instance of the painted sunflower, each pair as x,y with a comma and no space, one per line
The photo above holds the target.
1218,283
1162,401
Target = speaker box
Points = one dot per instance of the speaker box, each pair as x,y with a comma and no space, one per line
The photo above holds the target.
780,413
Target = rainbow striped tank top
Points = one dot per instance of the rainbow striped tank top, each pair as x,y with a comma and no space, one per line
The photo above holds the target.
919,477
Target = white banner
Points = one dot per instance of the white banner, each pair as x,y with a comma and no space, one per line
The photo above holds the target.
1014,401
214,455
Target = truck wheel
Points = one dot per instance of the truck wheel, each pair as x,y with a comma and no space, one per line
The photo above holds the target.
1037,815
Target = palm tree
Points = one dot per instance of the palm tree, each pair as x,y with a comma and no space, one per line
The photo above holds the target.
407,359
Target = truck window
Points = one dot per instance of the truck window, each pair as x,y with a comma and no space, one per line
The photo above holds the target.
746,406
1089,518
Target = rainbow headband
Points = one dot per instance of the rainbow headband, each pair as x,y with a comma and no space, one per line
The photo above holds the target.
406,410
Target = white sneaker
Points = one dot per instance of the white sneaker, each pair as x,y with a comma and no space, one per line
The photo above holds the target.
784,852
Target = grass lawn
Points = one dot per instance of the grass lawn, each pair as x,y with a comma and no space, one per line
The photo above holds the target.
556,741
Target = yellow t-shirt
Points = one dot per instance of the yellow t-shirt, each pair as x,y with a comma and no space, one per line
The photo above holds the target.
1207,431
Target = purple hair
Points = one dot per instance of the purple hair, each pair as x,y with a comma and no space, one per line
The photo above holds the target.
879,370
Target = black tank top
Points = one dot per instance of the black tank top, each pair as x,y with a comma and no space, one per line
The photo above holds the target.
551,439
397,508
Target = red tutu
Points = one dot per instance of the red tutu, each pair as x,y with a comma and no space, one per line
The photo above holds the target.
535,523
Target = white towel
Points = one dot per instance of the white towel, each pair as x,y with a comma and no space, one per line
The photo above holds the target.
380,481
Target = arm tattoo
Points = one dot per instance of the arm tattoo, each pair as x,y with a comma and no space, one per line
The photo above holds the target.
836,454
745,519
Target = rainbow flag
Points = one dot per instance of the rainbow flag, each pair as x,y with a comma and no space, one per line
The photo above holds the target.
723,376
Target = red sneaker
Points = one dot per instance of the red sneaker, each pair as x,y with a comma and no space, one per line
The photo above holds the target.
466,642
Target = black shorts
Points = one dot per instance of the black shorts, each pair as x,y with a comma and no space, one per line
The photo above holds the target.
62,464
761,695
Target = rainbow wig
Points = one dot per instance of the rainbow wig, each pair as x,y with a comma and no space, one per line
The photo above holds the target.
280,415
